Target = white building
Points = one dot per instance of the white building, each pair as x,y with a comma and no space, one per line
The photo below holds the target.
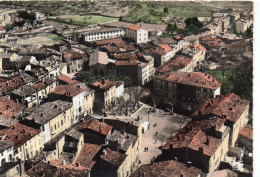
101,34
143,73
6,152
137,33
120,89
39,16
73,94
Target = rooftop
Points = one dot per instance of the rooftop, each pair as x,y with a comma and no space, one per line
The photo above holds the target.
11,84
42,169
196,79
85,88
67,79
108,41
166,47
193,136
73,55
4,145
96,126
87,155
124,140
246,132
177,63
230,106
7,122
18,134
113,157
47,111
24,91
10,108
39,86
106,84
134,27
167,169
67,90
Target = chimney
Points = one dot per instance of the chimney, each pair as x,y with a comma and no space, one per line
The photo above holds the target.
100,130
23,130
201,150
123,132
207,141
105,152
41,114
77,86
16,137
77,164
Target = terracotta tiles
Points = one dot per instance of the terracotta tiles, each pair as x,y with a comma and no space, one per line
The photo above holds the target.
106,84
229,106
246,132
87,155
67,80
10,108
67,90
195,79
73,55
11,84
39,86
113,157
18,134
94,125
134,27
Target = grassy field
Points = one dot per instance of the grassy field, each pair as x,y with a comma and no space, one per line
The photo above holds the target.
234,81
54,37
152,12
84,20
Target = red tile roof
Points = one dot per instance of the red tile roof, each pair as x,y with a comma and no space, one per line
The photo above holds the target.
67,90
199,46
67,79
108,41
127,56
230,106
169,168
134,27
39,86
87,154
166,47
11,84
94,125
177,37
157,50
10,108
113,157
192,136
126,62
73,55
42,169
18,134
59,164
236,45
179,62
195,79
246,132
2,29
111,49
106,84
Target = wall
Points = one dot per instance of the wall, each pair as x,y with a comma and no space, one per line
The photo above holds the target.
6,155
89,103
120,90
79,105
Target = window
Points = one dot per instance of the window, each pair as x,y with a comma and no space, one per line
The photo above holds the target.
43,128
55,127
61,122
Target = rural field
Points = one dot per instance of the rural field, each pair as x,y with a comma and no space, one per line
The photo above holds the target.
83,20
54,37
152,13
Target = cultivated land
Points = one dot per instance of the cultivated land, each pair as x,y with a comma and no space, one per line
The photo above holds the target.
54,37
83,20
153,12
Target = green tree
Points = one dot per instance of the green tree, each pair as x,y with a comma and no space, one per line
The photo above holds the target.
166,10
234,26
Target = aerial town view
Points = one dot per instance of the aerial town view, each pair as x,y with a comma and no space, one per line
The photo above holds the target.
126,88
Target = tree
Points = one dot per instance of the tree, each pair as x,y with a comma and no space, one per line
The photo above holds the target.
234,26
166,10
172,104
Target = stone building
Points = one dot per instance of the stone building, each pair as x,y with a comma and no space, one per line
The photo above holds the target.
137,33
186,87
75,61
231,107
